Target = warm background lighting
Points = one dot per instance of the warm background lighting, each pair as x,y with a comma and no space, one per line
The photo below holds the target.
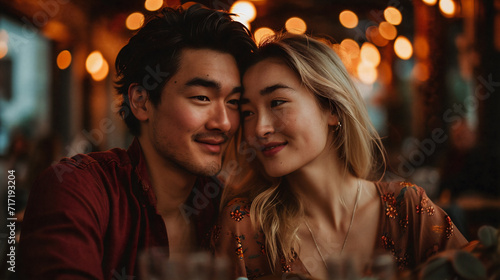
4,36
367,73
134,21
421,72
296,25
153,5
262,33
385,73
63,59
430,2
403,48
348,19
422,48
350,47
4,39
369,54
94,62
245,11
387,30
4,49
447,7
393,15
373,35
102,72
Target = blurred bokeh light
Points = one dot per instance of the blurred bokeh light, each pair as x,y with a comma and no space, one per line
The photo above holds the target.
348,19
296,25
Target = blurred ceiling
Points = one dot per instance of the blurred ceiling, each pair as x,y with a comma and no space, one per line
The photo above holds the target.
72,20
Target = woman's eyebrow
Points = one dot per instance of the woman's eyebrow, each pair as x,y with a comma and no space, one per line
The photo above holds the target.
272,88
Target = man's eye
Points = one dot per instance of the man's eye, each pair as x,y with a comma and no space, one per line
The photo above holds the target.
200,98
275,103
234,102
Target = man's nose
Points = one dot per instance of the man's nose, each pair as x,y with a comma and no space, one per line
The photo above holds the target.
219,119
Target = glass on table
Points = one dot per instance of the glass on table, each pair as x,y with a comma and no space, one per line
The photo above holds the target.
155,264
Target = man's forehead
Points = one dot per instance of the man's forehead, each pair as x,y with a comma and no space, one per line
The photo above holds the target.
208,64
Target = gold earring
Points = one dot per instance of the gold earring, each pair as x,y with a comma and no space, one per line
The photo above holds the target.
338,127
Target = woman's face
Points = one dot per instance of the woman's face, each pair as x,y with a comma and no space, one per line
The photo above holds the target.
283,120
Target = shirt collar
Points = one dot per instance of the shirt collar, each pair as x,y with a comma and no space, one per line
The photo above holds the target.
141,171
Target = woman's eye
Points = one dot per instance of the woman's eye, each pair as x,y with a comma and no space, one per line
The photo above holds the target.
246,114
201,98
275,103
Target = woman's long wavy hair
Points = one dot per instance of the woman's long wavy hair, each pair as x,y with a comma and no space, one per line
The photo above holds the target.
275,208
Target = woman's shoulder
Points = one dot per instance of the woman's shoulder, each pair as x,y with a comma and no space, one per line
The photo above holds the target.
401,190
404,197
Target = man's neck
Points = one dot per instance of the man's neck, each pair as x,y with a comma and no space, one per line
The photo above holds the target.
171,184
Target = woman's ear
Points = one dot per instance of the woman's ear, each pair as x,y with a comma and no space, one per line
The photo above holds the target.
138,98
333,119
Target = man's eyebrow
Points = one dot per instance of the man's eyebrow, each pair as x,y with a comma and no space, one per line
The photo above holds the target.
237,90
211,84
272,88
203,83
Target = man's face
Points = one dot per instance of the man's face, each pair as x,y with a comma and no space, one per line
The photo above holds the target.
198,112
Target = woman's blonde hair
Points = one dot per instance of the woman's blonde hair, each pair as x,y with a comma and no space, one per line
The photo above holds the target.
275,208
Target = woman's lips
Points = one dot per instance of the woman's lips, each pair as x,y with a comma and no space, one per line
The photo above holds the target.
271,149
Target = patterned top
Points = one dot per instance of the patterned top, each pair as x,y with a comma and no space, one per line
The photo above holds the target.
412,229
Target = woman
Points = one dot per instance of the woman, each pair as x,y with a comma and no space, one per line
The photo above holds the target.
304,184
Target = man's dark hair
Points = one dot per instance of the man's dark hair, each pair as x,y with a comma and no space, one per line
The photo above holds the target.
152,55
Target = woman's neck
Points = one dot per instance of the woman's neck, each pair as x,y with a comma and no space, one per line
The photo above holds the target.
327,190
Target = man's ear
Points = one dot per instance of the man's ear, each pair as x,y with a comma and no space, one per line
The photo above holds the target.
138,98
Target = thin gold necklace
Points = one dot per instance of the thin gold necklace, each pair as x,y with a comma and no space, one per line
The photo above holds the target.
358,194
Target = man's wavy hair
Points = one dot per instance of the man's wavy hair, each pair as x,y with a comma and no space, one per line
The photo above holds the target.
152,55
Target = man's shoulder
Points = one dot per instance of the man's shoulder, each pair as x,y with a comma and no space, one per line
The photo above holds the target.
104,158
87,168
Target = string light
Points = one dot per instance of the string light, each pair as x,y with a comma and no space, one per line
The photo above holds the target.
348,19
447,7
369,54
296,25
367,73
63,59
403,48
430,2
262,33
387,30
102,72
393,15
134,21
351,48
374,36
244,10
94,62
153,5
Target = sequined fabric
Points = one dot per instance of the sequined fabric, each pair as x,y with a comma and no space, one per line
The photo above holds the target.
412,229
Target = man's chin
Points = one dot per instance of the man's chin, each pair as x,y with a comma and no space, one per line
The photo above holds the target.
210,169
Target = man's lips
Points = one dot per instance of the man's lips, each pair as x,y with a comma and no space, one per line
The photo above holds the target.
212,145
270,149
211,141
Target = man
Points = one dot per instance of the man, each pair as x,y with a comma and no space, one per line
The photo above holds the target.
89,217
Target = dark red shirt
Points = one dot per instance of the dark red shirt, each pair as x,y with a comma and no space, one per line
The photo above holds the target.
89,216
